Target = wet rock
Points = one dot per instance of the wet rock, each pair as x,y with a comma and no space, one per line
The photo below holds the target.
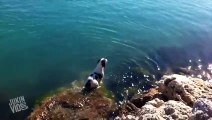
127,109
202,109
140,100
72,104
185,89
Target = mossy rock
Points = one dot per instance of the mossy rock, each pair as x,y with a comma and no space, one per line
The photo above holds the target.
71,104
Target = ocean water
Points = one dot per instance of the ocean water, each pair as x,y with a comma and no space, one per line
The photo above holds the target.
45,45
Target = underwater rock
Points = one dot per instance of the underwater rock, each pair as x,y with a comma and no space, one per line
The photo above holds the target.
182,71
202,109
185,89
72,104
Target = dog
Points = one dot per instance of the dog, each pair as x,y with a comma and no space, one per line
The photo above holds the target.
95,78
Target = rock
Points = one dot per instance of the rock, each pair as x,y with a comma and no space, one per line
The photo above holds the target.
202,109
180,93
159,110
140,100
72,104
185,89
127,110
129,117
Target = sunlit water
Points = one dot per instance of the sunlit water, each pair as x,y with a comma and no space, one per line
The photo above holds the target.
45,45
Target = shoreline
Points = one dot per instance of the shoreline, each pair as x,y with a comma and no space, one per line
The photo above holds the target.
174,97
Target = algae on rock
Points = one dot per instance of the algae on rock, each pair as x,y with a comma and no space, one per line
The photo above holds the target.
71,104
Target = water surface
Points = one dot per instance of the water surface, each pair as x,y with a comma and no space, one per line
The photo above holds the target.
45,45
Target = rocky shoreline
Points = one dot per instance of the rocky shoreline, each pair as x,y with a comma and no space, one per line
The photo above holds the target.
175,97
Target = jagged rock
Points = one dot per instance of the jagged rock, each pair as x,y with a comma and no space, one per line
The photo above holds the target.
202,109
185,89
140,100
127,111
159,110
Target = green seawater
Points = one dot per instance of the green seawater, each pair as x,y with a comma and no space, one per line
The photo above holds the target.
45,45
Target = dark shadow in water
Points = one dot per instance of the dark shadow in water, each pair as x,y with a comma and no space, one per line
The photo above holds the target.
170,60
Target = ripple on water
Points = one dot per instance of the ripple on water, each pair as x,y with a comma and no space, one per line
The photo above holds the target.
63,38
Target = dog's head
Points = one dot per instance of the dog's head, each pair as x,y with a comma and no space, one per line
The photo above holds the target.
102,62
